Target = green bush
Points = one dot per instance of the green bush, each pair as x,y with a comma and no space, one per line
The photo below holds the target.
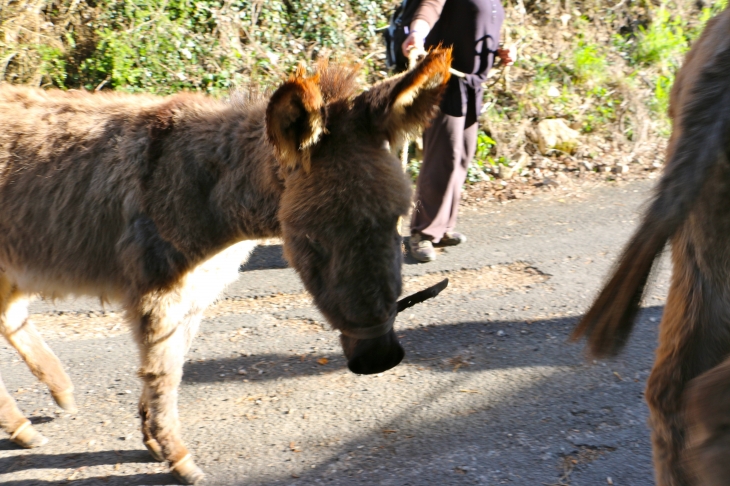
164,46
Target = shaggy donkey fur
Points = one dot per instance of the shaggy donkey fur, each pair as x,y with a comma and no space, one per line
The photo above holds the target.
154,202
690,209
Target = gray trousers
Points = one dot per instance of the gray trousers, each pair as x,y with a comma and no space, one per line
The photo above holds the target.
448,147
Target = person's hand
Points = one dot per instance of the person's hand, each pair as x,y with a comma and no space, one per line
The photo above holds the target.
504,57
413,41
419,29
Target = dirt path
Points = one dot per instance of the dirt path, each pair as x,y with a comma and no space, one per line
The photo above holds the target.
489,393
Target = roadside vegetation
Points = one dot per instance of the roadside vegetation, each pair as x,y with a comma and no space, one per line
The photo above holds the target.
604,67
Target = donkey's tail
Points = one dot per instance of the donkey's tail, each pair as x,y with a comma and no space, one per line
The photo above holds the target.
705,121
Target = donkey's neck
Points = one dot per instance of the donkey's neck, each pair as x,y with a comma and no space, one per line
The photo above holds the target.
215,182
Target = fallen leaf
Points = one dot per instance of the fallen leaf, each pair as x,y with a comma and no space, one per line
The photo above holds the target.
323,361
389,431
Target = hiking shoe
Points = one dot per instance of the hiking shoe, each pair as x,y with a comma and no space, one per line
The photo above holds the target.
451,238
421,248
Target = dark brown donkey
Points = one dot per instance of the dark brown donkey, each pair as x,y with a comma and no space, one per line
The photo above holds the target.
154,202
691,210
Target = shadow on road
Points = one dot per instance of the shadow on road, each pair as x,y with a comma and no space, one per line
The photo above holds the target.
266,257
466,346
133,479
71,460
270,257
515,434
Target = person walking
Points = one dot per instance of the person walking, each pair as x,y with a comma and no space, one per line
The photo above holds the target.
472,28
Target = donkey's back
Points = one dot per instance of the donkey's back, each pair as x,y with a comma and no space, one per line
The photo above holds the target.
67,164
71,168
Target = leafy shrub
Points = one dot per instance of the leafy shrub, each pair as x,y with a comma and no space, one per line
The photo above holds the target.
663,44
589,63
164,46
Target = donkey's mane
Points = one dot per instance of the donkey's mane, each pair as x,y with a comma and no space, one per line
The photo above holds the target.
337,82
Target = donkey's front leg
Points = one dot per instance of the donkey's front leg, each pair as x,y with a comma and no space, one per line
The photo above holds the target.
14,422
163,335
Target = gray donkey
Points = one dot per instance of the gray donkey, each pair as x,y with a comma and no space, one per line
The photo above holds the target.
154,202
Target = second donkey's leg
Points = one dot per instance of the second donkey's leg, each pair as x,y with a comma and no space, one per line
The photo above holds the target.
689,337
708,420
163,329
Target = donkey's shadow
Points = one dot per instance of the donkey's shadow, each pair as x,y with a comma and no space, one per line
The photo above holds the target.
438,347
136,479
265,257
271,257
76,460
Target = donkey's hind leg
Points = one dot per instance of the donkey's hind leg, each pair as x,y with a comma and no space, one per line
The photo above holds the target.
20,332
162,333
708,420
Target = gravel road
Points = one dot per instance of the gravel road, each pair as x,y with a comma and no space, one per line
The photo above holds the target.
490,391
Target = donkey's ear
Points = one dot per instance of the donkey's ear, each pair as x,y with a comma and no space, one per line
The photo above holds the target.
407,102
295,119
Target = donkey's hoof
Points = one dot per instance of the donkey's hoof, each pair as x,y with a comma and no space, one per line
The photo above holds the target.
28,437
155,450
187,472
66,401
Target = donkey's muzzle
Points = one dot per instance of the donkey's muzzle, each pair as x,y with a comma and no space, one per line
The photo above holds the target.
370,356
376,349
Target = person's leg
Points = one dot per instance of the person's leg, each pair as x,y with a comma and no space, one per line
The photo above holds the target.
460,171
443,154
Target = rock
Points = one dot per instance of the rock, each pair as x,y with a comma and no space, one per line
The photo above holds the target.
514,169
621,169
587,165
553,92
555,134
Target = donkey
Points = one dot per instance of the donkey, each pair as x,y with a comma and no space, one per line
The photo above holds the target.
154,202
689,419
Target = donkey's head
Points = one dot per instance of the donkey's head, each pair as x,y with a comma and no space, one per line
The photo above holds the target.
344,192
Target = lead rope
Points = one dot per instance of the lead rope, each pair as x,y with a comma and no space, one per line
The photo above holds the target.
413,55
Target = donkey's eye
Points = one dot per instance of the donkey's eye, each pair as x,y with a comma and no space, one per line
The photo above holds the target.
317,247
